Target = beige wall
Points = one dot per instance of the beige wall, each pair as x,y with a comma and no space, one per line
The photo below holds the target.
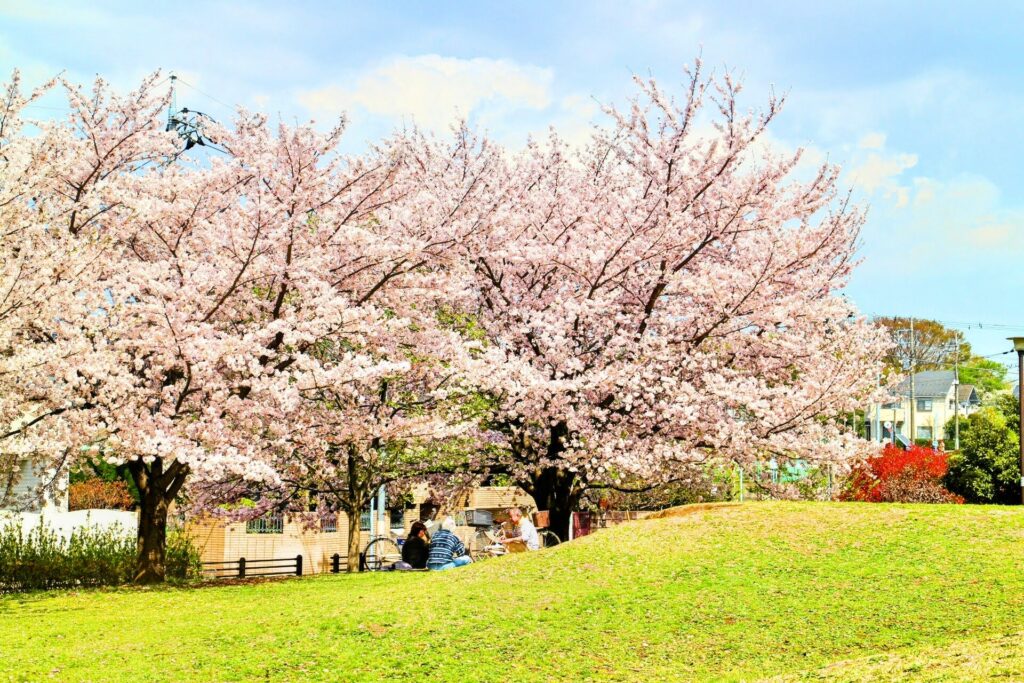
218,541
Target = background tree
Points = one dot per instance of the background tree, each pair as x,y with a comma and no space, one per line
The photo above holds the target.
382,410
987,467
935,348
986,375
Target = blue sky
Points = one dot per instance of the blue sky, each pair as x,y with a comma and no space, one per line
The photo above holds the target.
921,103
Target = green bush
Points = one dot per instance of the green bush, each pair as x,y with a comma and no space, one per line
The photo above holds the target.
91,556
182,559
986,469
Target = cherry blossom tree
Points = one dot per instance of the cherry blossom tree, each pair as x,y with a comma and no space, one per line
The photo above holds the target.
386,409
389,395
60,184
208,288
667,295
220,297
229,291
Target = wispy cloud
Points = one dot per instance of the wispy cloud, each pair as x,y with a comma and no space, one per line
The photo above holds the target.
435,90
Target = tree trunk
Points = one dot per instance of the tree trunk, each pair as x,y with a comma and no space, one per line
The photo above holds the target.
150,565
157,490
354,537
352,502
556,491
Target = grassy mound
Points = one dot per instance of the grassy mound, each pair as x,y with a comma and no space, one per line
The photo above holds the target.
803,591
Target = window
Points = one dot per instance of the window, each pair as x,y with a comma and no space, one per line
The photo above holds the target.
924,432
397,518
329,522
892,406
268,524
364,520
924,405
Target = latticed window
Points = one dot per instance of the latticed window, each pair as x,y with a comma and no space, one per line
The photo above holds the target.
364,520
329,523
268,524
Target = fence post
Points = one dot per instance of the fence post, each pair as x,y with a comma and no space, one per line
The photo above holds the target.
335,563
241,567
298,565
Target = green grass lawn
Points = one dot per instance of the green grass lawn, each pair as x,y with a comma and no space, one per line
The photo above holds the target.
798,591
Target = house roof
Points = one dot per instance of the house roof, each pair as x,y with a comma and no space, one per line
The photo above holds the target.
930,384
965,393
936,384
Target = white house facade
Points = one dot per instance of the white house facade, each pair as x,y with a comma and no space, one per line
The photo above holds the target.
937,399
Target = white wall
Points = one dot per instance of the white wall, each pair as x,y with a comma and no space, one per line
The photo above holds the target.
64,523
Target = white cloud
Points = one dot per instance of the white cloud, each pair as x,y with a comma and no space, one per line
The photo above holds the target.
434,90
967,214
880,172
872,141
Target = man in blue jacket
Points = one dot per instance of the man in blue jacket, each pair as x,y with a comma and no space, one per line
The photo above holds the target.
446,550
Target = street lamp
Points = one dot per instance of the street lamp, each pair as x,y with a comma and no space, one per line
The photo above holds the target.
1018,346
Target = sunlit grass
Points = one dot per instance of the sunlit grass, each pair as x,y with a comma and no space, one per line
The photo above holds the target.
735,593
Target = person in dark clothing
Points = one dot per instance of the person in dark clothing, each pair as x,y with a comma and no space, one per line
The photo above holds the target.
416,547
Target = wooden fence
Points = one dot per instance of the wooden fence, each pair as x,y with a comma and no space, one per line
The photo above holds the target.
242,568
286,566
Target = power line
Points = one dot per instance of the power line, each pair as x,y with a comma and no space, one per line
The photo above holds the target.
962,324
994,355
229,107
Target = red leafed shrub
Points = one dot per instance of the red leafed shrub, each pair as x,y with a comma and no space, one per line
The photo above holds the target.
901,476
97,494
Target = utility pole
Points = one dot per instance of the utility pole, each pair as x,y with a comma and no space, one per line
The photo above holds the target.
187,123
913,397
1018,346
172,105
956,397
876,428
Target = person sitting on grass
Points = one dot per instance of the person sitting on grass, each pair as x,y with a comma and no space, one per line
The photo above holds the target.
523,532
446,550
416,548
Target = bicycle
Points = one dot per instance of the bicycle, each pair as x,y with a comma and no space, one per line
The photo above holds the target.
487,543
381,552
548,538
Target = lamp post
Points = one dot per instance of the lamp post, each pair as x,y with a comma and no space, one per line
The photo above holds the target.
1018,346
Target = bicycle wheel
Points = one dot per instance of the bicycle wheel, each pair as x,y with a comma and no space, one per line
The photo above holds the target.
484,545
548,538
380,553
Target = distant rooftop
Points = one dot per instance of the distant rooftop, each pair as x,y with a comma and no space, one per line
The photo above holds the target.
937,384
